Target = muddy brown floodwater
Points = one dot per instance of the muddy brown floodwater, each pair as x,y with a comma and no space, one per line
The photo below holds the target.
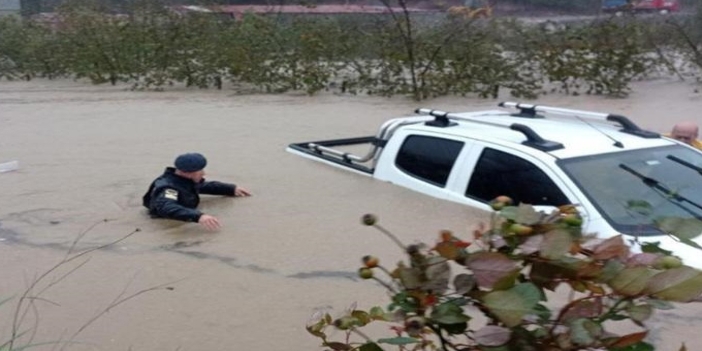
88,153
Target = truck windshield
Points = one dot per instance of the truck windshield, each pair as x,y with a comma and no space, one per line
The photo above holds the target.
641,191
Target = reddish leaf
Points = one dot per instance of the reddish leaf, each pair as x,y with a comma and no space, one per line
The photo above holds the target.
594,288
490,267
448,250
492,335
478,231
628,340
613,247
462,244
438,274
583,309
642,259
531,244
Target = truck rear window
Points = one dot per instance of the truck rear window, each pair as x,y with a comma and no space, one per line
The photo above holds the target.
428,158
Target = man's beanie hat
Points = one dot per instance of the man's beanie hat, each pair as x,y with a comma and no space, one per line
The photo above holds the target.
191,162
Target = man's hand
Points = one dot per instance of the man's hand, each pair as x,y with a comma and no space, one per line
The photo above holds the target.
209,222
239,192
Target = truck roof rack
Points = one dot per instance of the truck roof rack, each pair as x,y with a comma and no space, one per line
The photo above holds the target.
531,111
441,119
534,140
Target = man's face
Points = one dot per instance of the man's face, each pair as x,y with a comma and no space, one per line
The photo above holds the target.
197,176
684,135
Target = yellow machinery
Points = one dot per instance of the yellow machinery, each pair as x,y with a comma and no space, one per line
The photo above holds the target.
472,9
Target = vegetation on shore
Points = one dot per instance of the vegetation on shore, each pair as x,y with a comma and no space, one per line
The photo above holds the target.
152,47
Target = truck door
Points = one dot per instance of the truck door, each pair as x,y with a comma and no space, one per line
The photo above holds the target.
421,161
489,172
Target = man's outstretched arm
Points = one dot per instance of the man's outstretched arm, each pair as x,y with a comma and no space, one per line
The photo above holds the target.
220,188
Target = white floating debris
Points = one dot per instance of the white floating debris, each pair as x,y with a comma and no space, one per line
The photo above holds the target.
9,166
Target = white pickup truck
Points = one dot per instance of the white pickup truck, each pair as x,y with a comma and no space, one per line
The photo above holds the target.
625,179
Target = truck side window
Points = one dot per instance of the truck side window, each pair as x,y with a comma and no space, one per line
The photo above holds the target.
428,158
499,173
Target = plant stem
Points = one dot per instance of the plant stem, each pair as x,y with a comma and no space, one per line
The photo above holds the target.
391,236
386,285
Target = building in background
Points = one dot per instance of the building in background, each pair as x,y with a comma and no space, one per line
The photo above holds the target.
10,7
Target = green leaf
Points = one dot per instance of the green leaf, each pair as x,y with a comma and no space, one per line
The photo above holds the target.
639,206
680,284
448,313
362,316
689,242
403,301
654,247
584,331
542,312
510,306
463,283
611,269
371,346
456,328
316,329
640,313
400,340
509,212
682,228
338,346
526,214
617,317
660,304
631,281
641,346
556,243
507,281
377,313
410,277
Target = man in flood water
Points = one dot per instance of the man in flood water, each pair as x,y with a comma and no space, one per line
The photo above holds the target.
175,194
687,133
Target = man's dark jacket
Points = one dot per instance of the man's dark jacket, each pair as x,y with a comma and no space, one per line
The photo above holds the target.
175,197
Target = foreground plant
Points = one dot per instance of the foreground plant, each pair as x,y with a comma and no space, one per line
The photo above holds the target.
23,330
512,268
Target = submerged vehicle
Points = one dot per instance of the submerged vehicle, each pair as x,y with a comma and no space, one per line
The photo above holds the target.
624,180
622,6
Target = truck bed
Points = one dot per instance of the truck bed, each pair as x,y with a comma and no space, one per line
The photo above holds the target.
337,152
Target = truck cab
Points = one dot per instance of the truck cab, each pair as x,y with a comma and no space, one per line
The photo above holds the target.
623,179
